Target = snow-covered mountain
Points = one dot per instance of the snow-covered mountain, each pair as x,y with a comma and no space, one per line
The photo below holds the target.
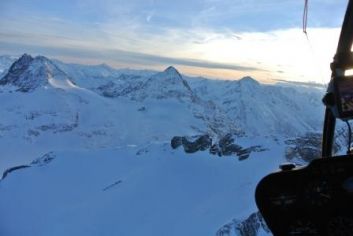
96,149
93,76
165,85
261,109
28,73
46,111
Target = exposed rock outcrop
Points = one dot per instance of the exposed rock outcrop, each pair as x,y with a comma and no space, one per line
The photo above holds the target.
192,145
9,170
28,73
44,160
226,146
41,161
302,150
248,227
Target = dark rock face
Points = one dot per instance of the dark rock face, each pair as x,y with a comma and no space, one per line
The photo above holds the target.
176,142
44,160
248,227
41,161
15,71
226,146
304,149
29,73
173,72
8,171
200,143
22,63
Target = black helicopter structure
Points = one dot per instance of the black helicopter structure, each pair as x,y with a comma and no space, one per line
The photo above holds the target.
318,199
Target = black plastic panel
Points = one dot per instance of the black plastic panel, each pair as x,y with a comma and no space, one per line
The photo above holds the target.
314,200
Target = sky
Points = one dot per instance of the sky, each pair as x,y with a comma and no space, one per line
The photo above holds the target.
213,38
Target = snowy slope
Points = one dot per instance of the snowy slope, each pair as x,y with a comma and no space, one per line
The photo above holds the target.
109,168
165,85
54,117
116,192
270,110
5,63
88,76
57,119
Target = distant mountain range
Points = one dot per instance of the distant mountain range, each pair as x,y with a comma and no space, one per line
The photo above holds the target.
253,108
84,130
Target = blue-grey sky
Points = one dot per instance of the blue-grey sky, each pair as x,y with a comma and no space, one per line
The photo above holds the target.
218,38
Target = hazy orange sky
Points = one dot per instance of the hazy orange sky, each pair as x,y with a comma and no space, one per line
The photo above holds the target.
214,38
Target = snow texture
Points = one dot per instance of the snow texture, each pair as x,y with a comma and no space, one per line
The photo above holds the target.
92,147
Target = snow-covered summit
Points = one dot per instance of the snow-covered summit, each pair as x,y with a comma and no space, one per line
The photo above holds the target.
22,63
264,109
172,73
255,108
170,76
248,81
28,73
166,84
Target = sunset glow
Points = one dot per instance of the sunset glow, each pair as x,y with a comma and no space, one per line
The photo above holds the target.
218,39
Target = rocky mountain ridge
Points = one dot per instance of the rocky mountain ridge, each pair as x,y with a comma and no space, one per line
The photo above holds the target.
28,73
236,108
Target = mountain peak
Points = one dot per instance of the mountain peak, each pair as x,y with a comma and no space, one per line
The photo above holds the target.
248,80
25,57
25,60
167,84
28,73
104,65
22,62
172,71
169,75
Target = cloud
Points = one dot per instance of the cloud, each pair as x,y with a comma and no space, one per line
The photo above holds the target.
202,34
124,57
261,54
149,16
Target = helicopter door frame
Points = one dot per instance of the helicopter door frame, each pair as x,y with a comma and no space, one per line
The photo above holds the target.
338,67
